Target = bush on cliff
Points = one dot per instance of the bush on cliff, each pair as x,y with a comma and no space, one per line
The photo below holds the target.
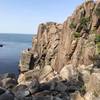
97,11
98,47
72,25
76,34
97,38
84,21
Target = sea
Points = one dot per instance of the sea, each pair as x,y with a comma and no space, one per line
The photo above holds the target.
10,53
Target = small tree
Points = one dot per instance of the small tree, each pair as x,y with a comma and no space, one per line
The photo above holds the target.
72,25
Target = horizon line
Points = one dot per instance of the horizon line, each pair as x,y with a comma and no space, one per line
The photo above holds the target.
17,33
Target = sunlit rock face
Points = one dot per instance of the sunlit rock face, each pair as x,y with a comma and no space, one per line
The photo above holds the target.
72,42
67,51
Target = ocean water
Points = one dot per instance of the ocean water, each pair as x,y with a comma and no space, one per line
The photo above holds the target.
11,51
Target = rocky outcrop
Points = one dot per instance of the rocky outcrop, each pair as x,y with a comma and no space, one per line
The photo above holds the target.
71,43
68,52
8,80
1,45
63,63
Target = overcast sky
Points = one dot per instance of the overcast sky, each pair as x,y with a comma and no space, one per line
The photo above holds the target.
24,16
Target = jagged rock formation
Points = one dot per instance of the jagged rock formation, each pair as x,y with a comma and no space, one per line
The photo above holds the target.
66,52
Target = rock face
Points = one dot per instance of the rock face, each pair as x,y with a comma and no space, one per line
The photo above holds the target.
73,42
67,51
8,81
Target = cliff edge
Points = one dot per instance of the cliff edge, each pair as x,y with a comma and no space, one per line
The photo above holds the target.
67,51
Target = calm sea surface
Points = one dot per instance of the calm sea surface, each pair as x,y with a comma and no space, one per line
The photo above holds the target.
11,51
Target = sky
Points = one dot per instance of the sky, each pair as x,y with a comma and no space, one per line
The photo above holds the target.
24,16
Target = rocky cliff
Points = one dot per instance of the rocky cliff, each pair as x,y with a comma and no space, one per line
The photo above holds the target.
67,51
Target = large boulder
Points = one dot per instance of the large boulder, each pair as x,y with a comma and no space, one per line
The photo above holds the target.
45,72
24,64
68,72
94,84
76,96
2,90
8,80
7,96
9,83
85,72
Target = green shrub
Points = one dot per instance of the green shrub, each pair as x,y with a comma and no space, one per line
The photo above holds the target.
97,38
84,21
98,48
97,11
83,90
76,34
95,94
72,25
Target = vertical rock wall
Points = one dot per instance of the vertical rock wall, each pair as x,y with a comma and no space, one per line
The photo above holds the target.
71,43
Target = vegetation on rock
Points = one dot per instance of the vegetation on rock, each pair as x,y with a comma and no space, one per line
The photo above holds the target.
98,47
76,34
72,25
84,21
97,11
97,39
